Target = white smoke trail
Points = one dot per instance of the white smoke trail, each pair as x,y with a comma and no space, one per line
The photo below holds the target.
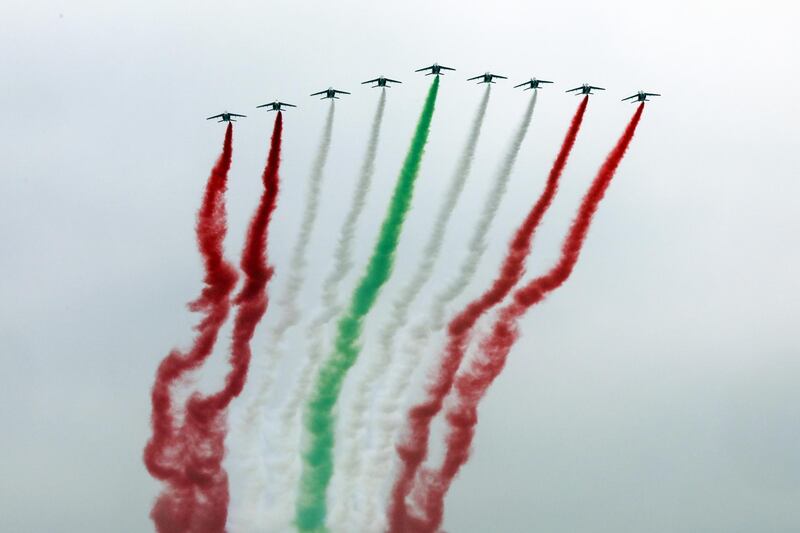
252,423
354,437
379,460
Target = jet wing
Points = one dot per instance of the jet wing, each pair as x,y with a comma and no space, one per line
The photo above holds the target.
445,68
263,105
652,94
629,97
575,89
236,115
499,76
523,84
475,78
596,88
372,81
544,81
319,93
337,91
289,105
423,68
393,81
215,116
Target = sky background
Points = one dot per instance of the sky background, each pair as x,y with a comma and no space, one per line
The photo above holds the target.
658,390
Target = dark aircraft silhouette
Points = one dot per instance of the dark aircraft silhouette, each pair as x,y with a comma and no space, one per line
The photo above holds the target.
226,117
276,106
487,77
640,96
330,92
532,83
380,81
585,89
436,68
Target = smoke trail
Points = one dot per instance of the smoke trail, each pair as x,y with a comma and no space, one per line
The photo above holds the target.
298,262
472,384
252,423
379,461
355,434
414,449
205,425
177,509
289,419
317,465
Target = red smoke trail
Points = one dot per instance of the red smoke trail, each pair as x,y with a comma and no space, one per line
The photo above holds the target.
471,385
214,301
197,500
413,451
252,299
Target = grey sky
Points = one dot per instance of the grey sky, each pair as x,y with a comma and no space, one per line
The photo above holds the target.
657,391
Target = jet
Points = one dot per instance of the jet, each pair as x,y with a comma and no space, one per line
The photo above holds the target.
436,68
585,89
330,92
275,106
532,83
640,96
226,117
380,81
487,77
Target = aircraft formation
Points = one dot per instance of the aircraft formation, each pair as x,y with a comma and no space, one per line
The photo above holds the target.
437,70
384,471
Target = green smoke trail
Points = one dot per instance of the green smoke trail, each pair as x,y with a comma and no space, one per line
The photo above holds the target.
320,420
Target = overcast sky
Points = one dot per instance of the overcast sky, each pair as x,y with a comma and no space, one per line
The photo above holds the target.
657,391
